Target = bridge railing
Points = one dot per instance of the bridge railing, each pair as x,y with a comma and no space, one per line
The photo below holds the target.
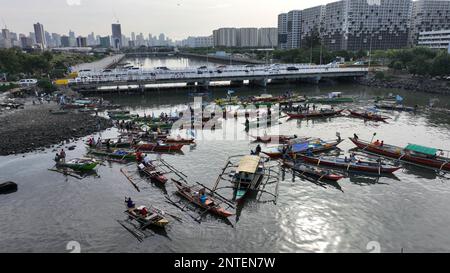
225,73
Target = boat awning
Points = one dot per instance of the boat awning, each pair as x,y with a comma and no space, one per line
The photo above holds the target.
249,164
421,149
300,147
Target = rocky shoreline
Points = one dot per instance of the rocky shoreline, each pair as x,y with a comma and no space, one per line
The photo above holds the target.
412,84
35,127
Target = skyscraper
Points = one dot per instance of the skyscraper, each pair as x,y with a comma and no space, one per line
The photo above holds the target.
105,42
6,35
117,36
40,35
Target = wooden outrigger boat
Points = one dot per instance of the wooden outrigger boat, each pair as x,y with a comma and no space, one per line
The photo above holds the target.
368,116
283,139
248,177
315,114
194,195
414,154
396,107
350,164
147,216
114,153
313,172
79,164
153,173
312,145
332,98
158,147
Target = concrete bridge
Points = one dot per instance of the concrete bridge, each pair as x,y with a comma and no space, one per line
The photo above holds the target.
236,74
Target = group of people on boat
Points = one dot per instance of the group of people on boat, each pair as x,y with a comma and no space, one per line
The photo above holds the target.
96,144
60,157
132,206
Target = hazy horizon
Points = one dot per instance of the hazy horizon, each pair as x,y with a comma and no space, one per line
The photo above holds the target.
177,19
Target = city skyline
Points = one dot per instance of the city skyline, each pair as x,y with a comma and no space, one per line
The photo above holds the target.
175,18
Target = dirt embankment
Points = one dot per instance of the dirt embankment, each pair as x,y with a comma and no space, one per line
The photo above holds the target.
34,127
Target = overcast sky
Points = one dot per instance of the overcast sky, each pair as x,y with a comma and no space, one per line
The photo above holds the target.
176,18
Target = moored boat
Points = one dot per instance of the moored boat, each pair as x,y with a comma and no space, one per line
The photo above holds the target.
152,172
147,216
368,115
248,176
79,164
350,164
315,114
202,198
158,147
308,146
332,98
114,153
414,154
396,107
313,172
273,138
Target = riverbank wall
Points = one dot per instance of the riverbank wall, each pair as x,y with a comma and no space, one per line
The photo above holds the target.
414,84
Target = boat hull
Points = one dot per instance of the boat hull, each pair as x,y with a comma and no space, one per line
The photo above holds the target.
351,166
399,154
314,115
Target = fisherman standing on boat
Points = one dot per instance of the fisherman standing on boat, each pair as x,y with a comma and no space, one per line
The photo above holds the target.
258,150
62,156
130,203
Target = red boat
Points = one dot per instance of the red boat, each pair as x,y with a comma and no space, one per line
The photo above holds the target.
314,172
156,147
415,154
368,116
192,194
152,172
314,114
355,165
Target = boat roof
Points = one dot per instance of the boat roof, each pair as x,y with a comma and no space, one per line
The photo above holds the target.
249,164
421,149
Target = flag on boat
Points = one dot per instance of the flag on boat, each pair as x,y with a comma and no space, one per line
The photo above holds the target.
230,92
398,98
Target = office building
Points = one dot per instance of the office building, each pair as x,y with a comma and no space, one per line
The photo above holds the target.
65,41
105,42
116,36
6,39
81,41
40,35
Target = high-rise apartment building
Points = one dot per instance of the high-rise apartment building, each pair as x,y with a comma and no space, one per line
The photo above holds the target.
247,37
294,29
268,37
312,22
225,37
105,42
428,15
282,30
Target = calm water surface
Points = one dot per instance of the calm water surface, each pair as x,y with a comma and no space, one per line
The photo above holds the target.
410,211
